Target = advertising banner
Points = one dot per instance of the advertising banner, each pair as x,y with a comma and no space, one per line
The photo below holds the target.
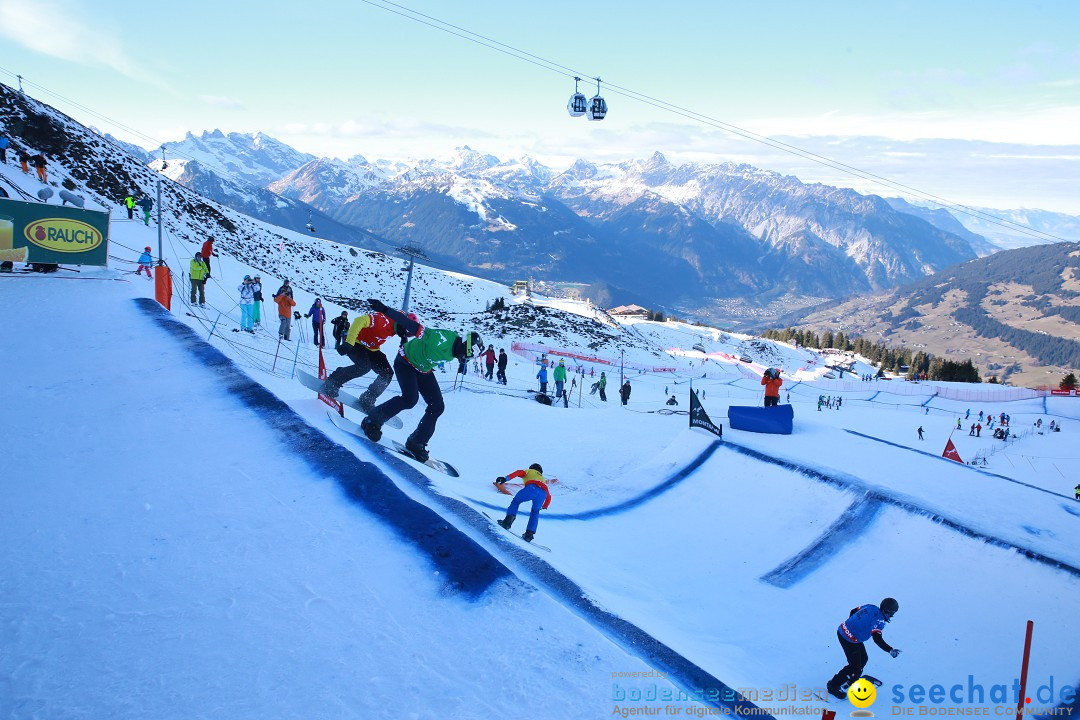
43,233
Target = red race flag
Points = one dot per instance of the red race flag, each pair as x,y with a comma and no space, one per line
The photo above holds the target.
950,452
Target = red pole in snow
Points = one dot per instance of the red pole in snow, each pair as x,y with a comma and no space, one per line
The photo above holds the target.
1023,672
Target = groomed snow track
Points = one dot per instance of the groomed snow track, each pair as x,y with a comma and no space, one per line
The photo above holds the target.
470,568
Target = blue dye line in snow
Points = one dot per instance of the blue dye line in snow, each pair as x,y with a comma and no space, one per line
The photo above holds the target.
928,400
853,483
471,567
633,502
852,523
871,398
468,567
969,467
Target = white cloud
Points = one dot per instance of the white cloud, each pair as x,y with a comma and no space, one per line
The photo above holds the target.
222,102
58,28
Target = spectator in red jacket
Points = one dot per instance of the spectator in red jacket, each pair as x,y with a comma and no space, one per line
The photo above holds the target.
772,382
207,251
489,360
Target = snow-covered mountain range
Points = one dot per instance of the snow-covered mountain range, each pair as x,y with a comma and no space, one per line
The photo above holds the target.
646,230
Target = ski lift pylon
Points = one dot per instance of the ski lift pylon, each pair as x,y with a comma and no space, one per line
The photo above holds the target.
578,105
597,105
309,226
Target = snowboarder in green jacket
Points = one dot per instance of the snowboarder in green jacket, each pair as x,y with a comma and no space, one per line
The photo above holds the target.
414,365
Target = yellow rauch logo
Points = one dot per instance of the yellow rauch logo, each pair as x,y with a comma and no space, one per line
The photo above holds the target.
63,235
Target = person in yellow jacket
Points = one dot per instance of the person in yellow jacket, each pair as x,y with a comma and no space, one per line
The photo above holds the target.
129,203
535,490
198,272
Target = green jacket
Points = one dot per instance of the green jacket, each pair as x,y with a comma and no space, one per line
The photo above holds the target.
129,202
603,382
431,348
197,271
560,373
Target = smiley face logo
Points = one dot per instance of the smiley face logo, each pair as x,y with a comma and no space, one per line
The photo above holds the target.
862,693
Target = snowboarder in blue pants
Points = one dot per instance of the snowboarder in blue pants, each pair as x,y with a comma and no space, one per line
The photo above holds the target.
535,491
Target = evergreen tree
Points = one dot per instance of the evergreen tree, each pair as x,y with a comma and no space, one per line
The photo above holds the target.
1068,382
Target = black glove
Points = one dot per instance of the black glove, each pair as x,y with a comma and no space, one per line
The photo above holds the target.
306,315
296,314
500,480
341,350
894,652
377,305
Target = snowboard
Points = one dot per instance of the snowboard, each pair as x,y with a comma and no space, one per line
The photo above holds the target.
310,381
533,543
392,445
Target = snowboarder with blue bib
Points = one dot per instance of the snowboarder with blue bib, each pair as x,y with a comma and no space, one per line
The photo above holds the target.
535,491
864,622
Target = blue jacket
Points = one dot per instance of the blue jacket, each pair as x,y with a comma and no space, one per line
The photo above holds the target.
542,375
4,143
145,259
866,621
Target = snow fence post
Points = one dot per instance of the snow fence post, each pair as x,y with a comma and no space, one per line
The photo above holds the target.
1024,672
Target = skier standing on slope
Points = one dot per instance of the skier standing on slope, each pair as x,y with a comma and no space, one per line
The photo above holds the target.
147,205
341,327
318,321
208,252
863,622
503,360
414,365
362,344
772,382
146,261
535,491
560,378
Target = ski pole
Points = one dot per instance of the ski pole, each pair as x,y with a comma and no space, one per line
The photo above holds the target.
295,358
213,327
274,368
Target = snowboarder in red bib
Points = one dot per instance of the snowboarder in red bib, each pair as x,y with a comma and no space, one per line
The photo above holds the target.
362,344
864,622
535,491
414,365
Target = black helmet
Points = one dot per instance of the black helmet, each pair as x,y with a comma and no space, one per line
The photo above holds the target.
889,606
537,468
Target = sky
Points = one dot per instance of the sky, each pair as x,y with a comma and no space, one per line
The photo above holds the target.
241,557
975,102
